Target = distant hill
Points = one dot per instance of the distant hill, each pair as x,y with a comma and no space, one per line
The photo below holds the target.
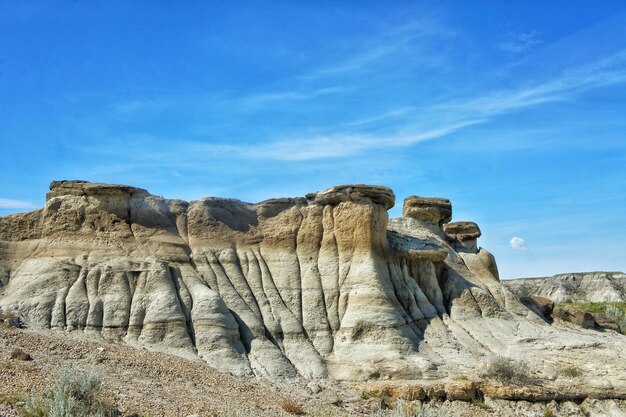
592,287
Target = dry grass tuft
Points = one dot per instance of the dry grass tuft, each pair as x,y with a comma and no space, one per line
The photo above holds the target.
571,372
507,371
292,407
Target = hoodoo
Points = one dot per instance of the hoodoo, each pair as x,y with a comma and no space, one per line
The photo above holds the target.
324,286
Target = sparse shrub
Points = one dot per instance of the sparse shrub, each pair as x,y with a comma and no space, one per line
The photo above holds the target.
10,398
481,404
506,370
77,393
571,372
617,315
83,386
291,407
34,406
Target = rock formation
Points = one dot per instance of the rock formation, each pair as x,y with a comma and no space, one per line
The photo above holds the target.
463,235
322,286
591,287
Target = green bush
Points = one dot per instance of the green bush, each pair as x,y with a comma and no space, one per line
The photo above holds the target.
76,393
617,315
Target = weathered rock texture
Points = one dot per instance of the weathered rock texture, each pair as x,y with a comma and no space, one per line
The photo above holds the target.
591,287
322,286
463,236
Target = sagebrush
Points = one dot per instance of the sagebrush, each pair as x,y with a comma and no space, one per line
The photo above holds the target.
76,393
616,315
507,370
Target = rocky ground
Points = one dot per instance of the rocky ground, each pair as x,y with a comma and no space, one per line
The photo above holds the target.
152,383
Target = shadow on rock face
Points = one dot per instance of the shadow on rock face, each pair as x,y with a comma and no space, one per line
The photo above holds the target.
316,287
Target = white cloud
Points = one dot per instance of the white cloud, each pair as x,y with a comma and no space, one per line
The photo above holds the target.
7,203
412,124
517,243
464,113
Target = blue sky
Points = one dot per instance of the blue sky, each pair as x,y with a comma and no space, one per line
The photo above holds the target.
516,111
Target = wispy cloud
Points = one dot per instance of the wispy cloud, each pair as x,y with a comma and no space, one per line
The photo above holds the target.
341,145
135,106
381,46
605,72
521,43
453,116
407,125
257,100
8,203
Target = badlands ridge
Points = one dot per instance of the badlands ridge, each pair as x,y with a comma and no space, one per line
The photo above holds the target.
324,286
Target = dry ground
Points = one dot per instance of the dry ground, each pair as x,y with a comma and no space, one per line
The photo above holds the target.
152,383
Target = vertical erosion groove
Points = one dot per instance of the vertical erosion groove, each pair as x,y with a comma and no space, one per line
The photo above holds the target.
185,302
328,265
299,295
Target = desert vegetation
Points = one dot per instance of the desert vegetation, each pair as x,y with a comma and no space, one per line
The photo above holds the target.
613,311
507,371
617,315
76,393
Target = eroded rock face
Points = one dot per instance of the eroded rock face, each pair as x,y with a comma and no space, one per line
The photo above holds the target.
592,287
320,287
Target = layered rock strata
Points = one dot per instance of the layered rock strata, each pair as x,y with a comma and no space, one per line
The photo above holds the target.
591,287
322,286
463,236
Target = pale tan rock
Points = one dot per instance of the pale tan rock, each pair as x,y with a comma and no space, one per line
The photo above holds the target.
318,287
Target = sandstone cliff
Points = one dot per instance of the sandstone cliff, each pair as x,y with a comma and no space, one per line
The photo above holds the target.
321,286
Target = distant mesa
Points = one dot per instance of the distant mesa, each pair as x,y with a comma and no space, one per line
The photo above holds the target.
591,287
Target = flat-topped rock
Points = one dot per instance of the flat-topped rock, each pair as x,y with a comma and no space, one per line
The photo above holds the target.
86,188
462,231
462,236
355,192
274,206
432,210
